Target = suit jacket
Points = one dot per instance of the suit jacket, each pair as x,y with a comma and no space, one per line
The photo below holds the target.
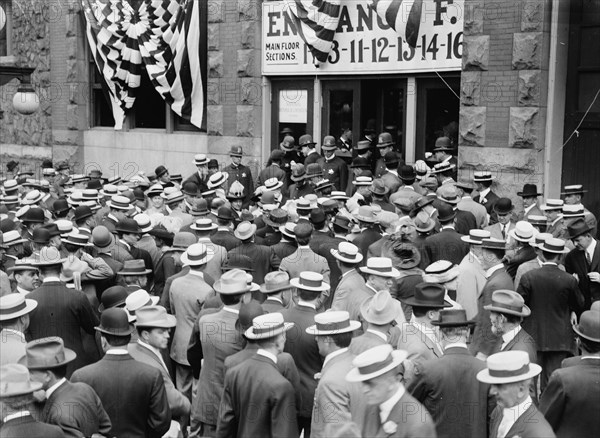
148,244
416,424
419,347
471,281
337,401
102,285
449,390
407,192
483,338
367,340
445,245
77,410
187,296
5,288
535,211
219,338
305,351
351,292
263,257
531,424
522,255
391,181
576,263
366,238
243,174
284,248
12,346
523,342
571,361
27,427
178,403
552,295
121,252
558,229
257,402
226,239
536,263
336,171
133,394
272,171
64,313
198,180
496,231
478,210
305,259
321,243
571,398
465,221
490,201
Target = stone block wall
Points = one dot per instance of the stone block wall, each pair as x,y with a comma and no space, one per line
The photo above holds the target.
234,101
503,91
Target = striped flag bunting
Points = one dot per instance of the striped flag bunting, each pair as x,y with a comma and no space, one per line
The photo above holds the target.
163,36
316,21
404,16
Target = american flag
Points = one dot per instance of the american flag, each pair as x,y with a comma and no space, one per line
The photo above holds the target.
163,36
404,16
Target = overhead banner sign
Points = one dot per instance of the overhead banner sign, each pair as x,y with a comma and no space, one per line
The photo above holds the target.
364,41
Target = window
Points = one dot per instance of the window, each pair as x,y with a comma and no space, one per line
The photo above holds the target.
101,111
6,32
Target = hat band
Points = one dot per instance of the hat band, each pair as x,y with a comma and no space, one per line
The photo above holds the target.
546,247
135,270
476,238
347,255
148,303
310,283
119,204
21,306
509,373
522,237
373,368
507,306
263,330
380,269
195,258
274,286
332,326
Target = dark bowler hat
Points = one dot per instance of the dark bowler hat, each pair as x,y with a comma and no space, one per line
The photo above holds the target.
163,235
446,213
46,354
453,318
443,144
52,229
41,235
503,206
128,226
385,140
390,158
225,213
428,295
360,163
287,144
577,228
407,172
317,216
213,164
589,326
82,212
160,171
34,215
298,172
200,208
306,140
113,297
95,184
313,169
248,311
529,191
115,322
278,154
190,188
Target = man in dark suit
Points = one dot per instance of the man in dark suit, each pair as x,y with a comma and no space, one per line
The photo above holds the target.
448,387
447,244
129,233
521,237
287,245
386,415
509,373
60,312
15,392
529,195
74,407
465,220
492,253
334,168
257,400
224,236
554,300
322,242
483,182
369,232
263,257
303,347
584,261
274,170
238,172
132,392
200,177
570,400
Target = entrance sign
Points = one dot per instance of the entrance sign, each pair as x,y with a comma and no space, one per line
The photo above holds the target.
365,43
293,106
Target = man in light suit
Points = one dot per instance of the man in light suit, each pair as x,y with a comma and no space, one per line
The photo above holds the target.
584,261
420,338
186,298
278,290
570,399
14,321
509,373
387,413
553,209
257,400
203,228
214,338
471,275
530,196
448,387
134,410
390,177
573,195
336,400
352,289
483,183
467,203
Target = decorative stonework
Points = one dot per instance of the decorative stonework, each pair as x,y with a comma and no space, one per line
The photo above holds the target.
532,16
214,120
473,21
248,121
472,126
216,11
529,87
213,36
523,128
247,63
470,88
248,37
527,51
476,52
215,64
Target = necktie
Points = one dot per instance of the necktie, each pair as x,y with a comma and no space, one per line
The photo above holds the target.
588,258
504,232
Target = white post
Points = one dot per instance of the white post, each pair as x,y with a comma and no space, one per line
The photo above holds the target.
411,119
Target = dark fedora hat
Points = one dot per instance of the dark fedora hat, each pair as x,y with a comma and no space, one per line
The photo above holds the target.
317,216
115,322
453,318
163,235
52,229
248,312
378,187
577,228
360,163
443,144
114,296
34,215
82,212
529,191
407,173
446,213
422,202
160,171
41,235
190,188
429,295
503,206
238,261
128,226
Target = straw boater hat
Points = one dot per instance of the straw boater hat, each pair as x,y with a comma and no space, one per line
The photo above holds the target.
509,302
268,326
482,176
537,220
273,184
200,160
572,211
22,265
555,246
508,367
380,266
217,179
540,238
138,299
310,281
347,253
16,381
476,236
441,271
245,230
374,362
575,189
332,322
48,256
204,224
197,255
13,306
288,230
380,309
553,204
522,232
47,353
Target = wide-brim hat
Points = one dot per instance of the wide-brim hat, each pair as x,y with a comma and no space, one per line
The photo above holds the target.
134,267
16,381
482,176
453,318
306,140
13,306
47,353
508,302
508,367
268,326
288,143
576,189
390,360
365,214
307,282
233,282
476,236
276,218
577,228
521,233
154,317
442,167
48,256
380,309
529,191
333,322
555,246
201,225
119,202
197,255
245,231
32,198
344,255
388,272
299,173
429,295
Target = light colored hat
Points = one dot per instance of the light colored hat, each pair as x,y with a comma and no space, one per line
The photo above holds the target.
363,181
201,160
144,221
571,211
273,184
448,193
138,299
556,246
12,237
233,282
332,322
311,281
33,197
522,232
380,309
48,256
575,189
154,317
508,301
204,224
22,265
540,238
476,236
77,239
268,326
423,222
109,190
245,230
197,255
442,167
482,176
508,367
276,281
347,252
119,202
288,230
380,266
155,190
47,353
440,272
173,197
553,204
16,381
15,305
338,195
365,214
217,180
374,362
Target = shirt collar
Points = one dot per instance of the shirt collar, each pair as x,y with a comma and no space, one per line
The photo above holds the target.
484,193
273,298
555,221
528,209
54,387
334,354
386,407
268,354
590,249
510,335
305,304
347,273
154,350
22,291
392,171
376,333
493,269
51,280
231,310
196,273
456,345
372,288
16,415
127,245
516,411
16,332
118,351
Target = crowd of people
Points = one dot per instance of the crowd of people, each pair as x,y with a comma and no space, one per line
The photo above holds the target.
341,293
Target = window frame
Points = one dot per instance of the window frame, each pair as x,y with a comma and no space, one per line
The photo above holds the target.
8,28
